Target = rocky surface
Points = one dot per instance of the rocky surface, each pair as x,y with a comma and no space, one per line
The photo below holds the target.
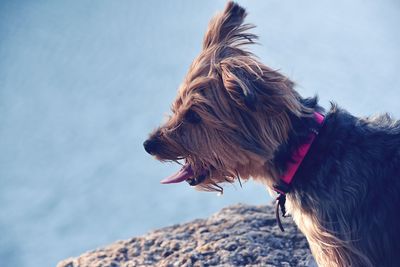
239,235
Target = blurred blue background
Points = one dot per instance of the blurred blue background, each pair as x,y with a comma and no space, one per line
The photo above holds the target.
83,82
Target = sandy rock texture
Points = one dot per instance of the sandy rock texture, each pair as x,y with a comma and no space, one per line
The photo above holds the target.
239,235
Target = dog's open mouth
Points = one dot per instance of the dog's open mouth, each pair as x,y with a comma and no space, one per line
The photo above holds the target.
185,174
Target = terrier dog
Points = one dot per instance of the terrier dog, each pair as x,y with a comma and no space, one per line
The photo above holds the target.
235,118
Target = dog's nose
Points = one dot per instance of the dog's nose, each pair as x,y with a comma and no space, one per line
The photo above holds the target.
150,146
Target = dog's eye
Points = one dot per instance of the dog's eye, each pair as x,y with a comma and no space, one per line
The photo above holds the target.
192,117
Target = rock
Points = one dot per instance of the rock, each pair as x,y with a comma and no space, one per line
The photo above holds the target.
239,235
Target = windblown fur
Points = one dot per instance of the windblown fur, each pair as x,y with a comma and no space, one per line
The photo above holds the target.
234,117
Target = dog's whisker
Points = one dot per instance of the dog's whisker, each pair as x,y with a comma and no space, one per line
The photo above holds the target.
174,128
240,182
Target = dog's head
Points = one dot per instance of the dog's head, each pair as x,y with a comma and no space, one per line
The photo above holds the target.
231,112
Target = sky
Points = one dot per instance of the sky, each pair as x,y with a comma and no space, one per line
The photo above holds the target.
82,83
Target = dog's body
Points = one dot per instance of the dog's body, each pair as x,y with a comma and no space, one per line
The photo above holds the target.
235,117
345,196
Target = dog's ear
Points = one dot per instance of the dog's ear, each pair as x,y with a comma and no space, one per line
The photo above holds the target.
227,28
256,87
240,81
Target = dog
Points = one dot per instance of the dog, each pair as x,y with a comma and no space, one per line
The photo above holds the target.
236,118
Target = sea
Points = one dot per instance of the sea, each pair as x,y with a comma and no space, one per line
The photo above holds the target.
83,83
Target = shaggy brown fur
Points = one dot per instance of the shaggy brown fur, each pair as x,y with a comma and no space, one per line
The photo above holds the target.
222,84
235,117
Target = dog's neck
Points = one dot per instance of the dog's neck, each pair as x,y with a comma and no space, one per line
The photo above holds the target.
289,156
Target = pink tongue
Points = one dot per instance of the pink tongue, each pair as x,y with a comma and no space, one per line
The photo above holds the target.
185,173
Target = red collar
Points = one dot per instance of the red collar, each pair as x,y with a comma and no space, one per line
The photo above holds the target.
298,156
291,169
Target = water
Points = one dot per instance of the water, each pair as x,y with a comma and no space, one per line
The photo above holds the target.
83,82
